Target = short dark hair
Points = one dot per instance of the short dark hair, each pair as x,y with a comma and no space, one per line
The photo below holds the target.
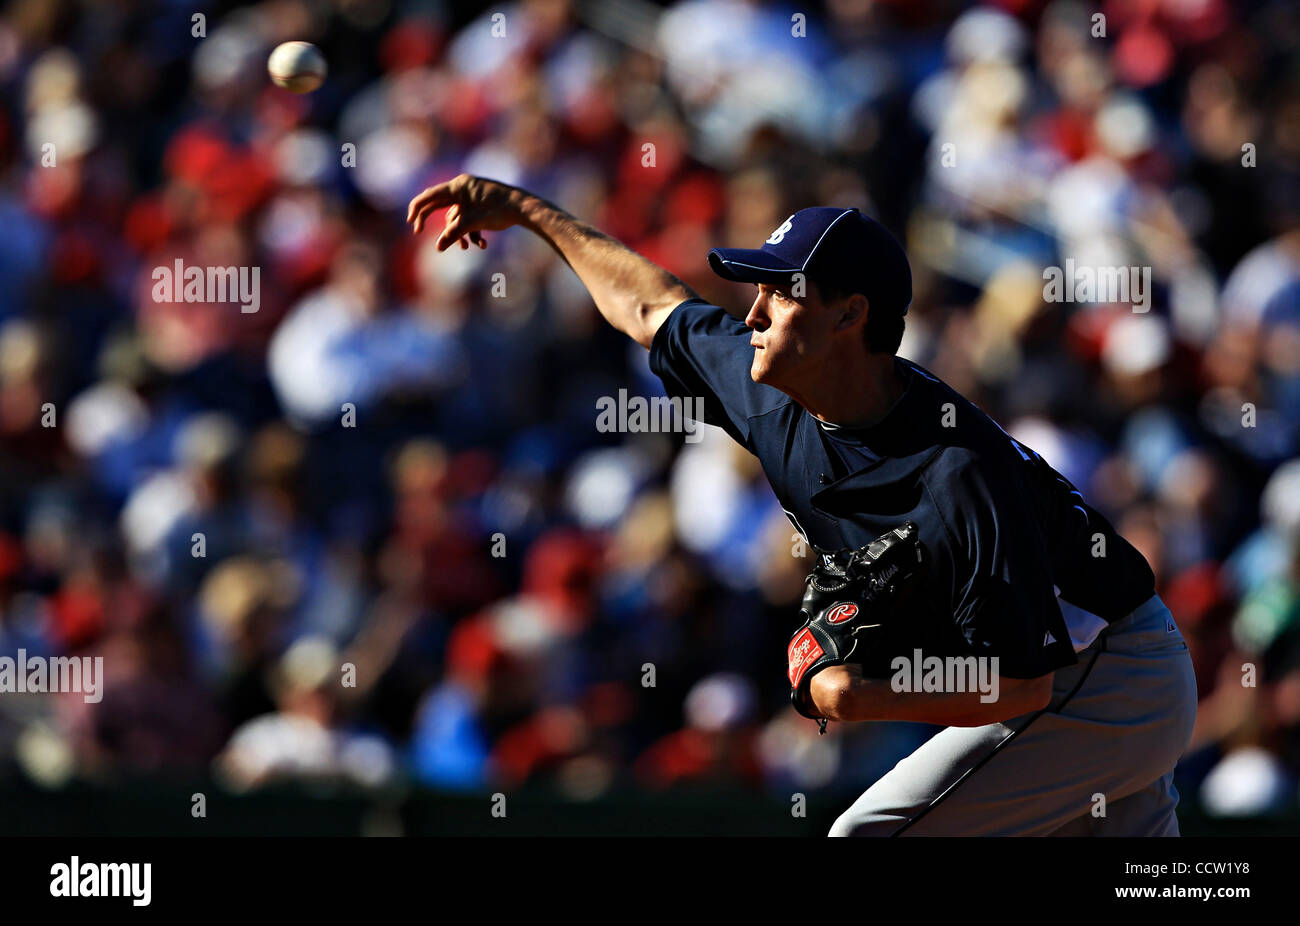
884,330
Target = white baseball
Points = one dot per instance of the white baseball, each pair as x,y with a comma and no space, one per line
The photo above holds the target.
298,67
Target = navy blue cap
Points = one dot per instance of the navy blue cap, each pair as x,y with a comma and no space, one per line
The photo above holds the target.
860,249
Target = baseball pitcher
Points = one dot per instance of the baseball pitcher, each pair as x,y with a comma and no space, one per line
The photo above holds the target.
946,550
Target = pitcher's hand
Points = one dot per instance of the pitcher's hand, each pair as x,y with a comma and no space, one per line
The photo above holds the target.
475,205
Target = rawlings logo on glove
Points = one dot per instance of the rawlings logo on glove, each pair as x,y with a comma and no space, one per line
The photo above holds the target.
847,597
840,613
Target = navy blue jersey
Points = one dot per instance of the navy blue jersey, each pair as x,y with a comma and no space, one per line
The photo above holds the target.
1006,532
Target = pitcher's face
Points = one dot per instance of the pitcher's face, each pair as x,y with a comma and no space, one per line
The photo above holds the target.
791,334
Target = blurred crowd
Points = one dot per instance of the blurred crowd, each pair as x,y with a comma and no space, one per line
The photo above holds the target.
371,532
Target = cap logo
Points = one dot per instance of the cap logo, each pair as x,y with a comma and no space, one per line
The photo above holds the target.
779,235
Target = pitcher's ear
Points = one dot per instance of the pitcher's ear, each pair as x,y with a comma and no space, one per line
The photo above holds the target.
853,311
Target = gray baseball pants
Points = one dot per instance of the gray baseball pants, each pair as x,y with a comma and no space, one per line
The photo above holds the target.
1098,761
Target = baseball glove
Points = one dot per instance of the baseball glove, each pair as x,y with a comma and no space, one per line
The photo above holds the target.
848,602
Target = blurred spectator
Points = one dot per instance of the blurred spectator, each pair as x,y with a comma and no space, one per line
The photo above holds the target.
302,738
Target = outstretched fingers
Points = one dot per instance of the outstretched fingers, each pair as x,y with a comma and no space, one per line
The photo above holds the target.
457,228
435,197
454,230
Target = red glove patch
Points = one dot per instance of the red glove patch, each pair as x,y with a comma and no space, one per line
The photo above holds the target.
802,651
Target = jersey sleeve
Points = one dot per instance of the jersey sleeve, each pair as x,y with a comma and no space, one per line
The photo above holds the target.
702,353
1004,603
